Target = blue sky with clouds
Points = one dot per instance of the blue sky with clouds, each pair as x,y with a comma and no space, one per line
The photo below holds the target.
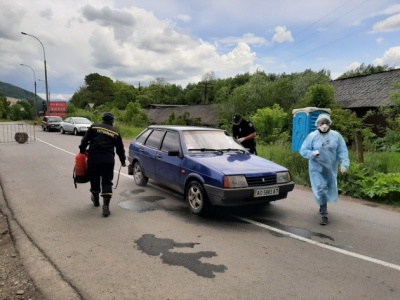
181,40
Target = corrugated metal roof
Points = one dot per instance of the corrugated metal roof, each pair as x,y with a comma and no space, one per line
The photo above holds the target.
365,91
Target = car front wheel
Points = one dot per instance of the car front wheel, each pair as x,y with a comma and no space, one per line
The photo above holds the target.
75,131
62,130
196,198
138,176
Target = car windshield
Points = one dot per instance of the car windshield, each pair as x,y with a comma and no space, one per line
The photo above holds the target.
207,140
82,121
55,119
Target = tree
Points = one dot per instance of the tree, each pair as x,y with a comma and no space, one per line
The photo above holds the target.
135,115
124,94
365,70
4,107
98,90
319,95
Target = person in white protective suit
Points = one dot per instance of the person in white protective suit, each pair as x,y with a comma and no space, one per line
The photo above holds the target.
325,148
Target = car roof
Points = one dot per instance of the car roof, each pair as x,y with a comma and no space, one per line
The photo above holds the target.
184,128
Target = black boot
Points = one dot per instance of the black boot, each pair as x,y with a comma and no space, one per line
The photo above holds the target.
106,204
95,199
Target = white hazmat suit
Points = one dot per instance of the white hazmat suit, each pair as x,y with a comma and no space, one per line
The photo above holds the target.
323,168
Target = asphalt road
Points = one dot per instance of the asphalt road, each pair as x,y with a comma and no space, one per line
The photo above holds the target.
151,247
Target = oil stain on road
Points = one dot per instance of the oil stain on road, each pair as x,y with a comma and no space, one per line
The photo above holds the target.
154,246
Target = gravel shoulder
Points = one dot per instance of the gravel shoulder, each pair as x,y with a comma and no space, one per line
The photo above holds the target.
15,282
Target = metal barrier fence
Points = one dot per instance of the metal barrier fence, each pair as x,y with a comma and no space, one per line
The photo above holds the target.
20,133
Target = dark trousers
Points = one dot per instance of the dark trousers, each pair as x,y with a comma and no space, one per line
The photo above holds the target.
253,150
101,176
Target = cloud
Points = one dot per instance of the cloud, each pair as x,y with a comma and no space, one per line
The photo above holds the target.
248,38
380,40
121,22
184,18
390,58
390,24
353,66
13,16
282,35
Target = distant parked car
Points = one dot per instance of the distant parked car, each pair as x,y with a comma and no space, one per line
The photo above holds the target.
75,125
207,166
51,123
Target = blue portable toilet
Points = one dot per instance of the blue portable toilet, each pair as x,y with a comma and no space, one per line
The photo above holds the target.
303,123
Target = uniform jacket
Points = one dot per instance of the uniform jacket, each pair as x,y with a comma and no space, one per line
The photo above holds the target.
102,139
244,129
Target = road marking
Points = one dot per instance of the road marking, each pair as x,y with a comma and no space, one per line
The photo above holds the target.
61,149
315,243
285,233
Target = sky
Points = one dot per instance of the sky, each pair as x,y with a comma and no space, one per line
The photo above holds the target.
138,41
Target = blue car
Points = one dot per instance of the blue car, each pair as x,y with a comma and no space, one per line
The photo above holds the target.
207,166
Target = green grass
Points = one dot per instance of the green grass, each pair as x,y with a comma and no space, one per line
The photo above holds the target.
128,132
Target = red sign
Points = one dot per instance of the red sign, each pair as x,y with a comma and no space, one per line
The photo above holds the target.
57,108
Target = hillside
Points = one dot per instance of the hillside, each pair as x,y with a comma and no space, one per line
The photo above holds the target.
13,91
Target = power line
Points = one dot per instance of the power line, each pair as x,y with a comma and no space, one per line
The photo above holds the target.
322,46
330,23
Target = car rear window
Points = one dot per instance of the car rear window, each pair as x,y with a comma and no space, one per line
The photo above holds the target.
54,119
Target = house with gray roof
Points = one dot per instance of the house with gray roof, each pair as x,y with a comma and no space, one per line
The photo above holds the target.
368,92
365,92
207,114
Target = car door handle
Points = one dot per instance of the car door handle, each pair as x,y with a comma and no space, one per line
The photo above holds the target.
159,155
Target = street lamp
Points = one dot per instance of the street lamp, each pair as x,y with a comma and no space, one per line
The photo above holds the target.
45,68
34,76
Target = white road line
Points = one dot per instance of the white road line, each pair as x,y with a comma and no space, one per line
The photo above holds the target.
61,149
285,233
315,243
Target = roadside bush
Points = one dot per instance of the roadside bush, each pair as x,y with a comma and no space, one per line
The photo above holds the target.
270,124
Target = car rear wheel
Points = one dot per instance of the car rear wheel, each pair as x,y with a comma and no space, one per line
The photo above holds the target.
62,130
75,131
196,198
138,176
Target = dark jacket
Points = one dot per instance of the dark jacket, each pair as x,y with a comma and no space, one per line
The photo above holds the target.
102,139
243,129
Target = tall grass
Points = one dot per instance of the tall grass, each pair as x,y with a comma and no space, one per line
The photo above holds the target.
282,154
128,132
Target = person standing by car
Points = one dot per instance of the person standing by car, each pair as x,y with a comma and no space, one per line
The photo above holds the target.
325,148
244,132
102,139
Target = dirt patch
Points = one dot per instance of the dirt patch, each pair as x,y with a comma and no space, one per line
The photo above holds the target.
15,282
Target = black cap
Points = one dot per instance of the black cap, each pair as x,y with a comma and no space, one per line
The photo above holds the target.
236,118
108,117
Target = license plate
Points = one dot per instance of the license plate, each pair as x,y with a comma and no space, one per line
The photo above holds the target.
266,192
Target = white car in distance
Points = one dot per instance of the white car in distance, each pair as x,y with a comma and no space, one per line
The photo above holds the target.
75,125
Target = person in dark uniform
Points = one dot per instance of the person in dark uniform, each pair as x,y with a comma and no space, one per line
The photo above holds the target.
244,132
102,139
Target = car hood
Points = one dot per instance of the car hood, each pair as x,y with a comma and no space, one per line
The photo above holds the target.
237,163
